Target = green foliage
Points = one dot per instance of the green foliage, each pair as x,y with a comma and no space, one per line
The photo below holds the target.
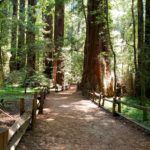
4,22
22,79
14,93
37,80
73,66
16,78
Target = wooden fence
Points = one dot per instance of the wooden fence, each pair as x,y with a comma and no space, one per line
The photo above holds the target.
9,138
100,100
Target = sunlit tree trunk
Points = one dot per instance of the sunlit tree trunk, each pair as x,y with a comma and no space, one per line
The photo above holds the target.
134,45
58,39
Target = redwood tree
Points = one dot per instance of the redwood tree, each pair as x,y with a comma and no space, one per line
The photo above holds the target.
48,35
58,39
147,48
30,37
95,65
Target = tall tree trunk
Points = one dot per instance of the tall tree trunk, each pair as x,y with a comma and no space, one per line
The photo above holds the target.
48,19
96,71
112,49
134,44
13,59
58,39
147,47
142,56
139,76
31,54
1,69
91,79
21,54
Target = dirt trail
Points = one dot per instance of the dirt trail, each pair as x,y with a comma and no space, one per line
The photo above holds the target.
70,122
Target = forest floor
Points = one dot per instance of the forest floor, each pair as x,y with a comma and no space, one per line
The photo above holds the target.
71,122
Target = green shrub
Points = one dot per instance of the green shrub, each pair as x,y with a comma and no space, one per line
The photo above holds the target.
38,79
16,78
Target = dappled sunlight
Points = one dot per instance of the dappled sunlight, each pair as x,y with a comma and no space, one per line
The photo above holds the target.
47,110
65,106
62,98
89,117
50,119
83,105
76,123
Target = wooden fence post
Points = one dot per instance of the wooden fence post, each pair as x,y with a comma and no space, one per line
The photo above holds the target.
145,114
34,108
114,106
99,102
41,102
103,98
44,92
93,98
22,107
119,105
3,138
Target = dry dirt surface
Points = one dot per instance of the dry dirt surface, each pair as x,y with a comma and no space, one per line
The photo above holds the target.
71,122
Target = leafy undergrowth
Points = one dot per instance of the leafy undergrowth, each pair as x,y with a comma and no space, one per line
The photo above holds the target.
132,113
12,93
135,114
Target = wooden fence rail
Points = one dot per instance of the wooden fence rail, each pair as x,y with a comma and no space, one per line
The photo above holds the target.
116,103
9,139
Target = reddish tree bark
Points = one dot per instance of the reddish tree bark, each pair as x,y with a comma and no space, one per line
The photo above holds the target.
58,38
48,19
96,67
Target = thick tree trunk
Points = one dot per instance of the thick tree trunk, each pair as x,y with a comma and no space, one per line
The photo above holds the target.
139,75
13,59
142,55
48,19
147,48
58,39
91,79
21,54
96,71
31,54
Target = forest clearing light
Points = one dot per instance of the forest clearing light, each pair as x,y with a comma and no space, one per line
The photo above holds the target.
107,82
117,13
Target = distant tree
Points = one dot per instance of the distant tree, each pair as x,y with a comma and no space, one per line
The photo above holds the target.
30,37
48,35
21,53
13,59
59,39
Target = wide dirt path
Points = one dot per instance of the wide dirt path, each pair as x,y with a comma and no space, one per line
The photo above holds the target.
70,122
